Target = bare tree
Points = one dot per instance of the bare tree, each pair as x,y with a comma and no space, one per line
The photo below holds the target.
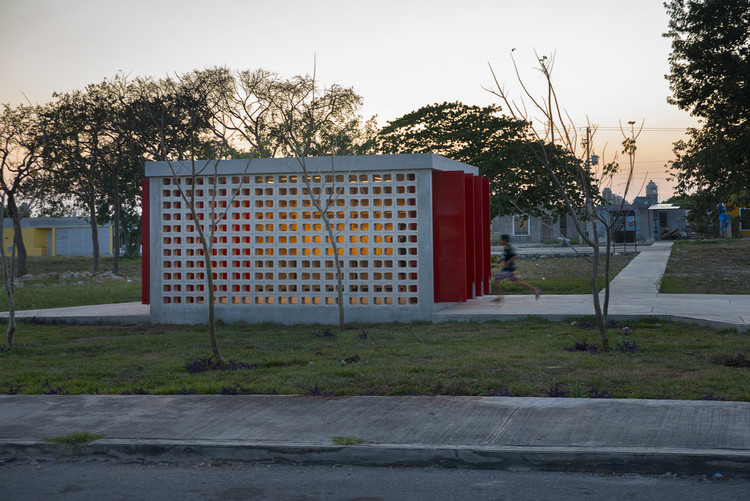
313,124
557,148
180,112
21,148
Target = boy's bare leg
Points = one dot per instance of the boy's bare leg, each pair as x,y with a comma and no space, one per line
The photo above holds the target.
536,291
500,291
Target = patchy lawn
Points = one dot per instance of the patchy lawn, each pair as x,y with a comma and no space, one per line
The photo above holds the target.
708,267
650,359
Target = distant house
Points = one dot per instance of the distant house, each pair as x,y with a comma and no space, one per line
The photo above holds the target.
643,220
667,216
528,230
743,214
58,236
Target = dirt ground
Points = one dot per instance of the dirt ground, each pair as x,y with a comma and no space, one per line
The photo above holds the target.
708,267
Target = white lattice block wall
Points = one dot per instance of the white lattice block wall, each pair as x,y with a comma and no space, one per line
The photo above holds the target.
272,259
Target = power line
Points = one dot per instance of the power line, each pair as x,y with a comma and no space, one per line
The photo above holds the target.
651,129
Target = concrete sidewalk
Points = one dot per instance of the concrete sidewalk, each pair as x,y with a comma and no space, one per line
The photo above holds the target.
633,295
606,435
553,434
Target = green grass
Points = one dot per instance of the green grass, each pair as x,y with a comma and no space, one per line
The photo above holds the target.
342,440
51,287
561,275
75,438
708,267
526,358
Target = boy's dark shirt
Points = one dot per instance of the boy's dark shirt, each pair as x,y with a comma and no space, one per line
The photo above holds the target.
508,254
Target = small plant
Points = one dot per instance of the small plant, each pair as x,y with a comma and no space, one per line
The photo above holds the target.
186,391
136,391
233,390
710,396
582,346
12,390
325,334
627,346
342,440
738,360
595,393
315,391
48,390
207,364
351,360
75,440
556,392
502,392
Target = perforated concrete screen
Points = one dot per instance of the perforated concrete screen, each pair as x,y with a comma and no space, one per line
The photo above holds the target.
272,258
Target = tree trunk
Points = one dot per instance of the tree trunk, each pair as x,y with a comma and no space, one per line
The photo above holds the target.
16,217
339,275
8,274
218,359
94,234
116,236
601,320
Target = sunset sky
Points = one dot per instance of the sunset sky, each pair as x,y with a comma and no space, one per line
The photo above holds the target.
610,56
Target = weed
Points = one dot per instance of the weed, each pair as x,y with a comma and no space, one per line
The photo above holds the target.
12,390
343,440
314,390
136,391
75,438
207,364
595,393
738,360
710,396
628,346
325,334
555,391
502,392
48,390
582,346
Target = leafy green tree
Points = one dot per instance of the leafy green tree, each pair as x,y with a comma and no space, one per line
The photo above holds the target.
710,77
481,136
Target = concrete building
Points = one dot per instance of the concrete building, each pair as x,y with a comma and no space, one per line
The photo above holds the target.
58,236
412,233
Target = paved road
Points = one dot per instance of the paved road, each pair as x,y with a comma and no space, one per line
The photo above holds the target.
206,480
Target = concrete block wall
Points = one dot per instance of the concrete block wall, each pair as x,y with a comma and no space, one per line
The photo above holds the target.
271,257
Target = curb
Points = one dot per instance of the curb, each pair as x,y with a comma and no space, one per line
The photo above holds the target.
561,459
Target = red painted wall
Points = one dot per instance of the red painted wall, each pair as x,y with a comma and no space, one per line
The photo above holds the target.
449,236
461,236
471,238
145,243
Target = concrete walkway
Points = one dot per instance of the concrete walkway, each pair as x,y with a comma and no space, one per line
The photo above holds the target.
553,434
633,294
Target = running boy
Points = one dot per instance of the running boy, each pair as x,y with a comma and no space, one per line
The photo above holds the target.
508,270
